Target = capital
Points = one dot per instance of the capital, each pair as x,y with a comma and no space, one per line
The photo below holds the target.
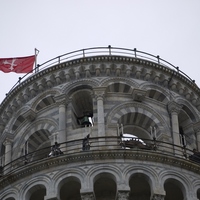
196,127
61,99
7,141
99,92
174,107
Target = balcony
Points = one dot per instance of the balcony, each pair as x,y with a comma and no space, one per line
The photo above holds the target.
100,148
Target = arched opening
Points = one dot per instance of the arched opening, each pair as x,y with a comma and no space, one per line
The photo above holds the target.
157,95
139,187
198,193
70,189
105,187
36,192
82,109
119,88
173,190
187,135
47,101
140,129
37,146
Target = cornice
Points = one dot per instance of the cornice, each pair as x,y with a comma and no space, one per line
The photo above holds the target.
97,156
31,87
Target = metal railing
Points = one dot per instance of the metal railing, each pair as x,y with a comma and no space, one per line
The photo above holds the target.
94,144
101,51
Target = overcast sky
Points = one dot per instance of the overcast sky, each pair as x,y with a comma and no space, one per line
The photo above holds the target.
169,28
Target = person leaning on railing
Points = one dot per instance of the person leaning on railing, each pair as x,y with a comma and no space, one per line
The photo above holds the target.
196,156
55,150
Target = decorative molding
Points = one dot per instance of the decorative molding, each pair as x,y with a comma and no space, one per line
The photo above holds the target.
158,197
52,162
123,195
87,196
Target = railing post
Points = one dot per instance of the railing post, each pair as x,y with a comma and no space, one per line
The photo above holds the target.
158,57
135,50
109,47
83,53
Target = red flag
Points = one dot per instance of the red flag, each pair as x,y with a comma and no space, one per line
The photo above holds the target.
17,65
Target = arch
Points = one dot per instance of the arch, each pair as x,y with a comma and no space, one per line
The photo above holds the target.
178,179
30,187
149,173
47,126
79,84
78,174
187,117
81,106
196,186
40,97
139,187
149,86
113,170
111,80
189,109
69,188
10,194
173,189
36,192
156,119
105,186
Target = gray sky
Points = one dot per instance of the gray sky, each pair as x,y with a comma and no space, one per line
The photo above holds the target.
169,28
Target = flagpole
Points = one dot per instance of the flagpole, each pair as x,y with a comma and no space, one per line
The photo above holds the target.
36,53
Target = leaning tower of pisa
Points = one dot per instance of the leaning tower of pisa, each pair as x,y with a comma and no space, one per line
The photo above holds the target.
101,124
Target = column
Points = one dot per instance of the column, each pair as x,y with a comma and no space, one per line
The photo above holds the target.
61,101
196,128
99,94
8,153
198,138
122,195
87,196
174,109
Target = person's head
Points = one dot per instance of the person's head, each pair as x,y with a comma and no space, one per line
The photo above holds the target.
194,150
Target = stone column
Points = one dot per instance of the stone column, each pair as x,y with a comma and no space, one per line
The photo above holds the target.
174,109
99,94
196,128
87,196
61,101
122,195
8,153
198,139
8,148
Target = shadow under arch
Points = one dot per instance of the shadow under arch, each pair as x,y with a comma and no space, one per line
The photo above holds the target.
174,189
178,179
69,188
36,192
105,186
33,185
140,187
